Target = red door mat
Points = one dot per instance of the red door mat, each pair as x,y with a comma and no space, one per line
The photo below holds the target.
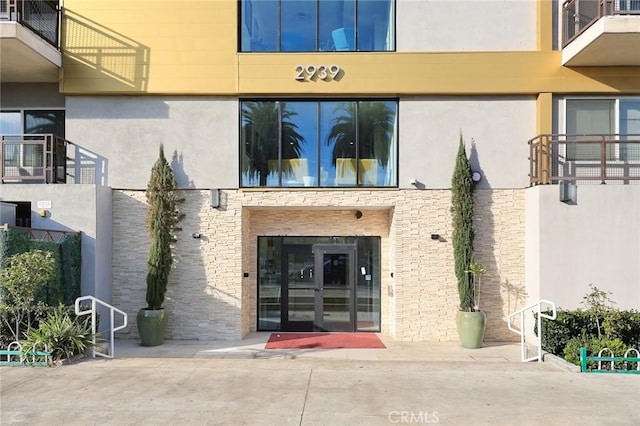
324,341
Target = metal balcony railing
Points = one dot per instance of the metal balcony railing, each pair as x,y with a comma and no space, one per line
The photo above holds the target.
585,158
40,16
35,158
38,234
578,15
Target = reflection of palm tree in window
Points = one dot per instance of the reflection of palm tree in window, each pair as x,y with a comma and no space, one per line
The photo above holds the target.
375,128
374,122
260,139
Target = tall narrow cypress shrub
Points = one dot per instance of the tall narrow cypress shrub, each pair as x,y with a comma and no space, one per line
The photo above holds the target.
162,219
463,231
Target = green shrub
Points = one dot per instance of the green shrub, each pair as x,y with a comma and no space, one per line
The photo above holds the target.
20,282
64,287
567,325
594,345
623,325
63,333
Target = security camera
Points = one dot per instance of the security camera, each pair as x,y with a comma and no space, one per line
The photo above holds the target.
413,181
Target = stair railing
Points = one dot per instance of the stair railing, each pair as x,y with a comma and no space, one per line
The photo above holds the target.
537,309
93,311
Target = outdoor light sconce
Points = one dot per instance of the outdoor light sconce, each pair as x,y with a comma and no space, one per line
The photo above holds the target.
437,237
358,214
568,192
196,235
215,198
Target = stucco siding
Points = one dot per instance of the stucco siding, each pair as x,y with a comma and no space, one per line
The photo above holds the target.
121,135
495,130
456,26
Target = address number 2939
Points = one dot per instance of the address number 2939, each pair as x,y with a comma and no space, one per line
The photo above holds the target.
312,72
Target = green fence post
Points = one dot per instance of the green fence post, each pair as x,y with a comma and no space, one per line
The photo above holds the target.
583,360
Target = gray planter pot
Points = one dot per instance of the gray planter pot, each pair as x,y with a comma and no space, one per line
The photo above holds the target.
152,324
471,327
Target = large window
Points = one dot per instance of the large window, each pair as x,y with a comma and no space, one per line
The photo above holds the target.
594,119
319,143
15,123
317,25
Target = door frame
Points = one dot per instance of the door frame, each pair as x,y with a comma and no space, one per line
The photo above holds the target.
318,323
285,324
318,254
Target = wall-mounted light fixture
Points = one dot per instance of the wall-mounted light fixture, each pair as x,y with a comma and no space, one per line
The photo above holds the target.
438,237
413,182
358,214
196,235
43,213
215,198
568,192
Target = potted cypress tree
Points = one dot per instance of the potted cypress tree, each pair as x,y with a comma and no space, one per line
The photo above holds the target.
161,223
470,321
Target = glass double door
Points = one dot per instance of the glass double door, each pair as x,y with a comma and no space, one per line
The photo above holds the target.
318,287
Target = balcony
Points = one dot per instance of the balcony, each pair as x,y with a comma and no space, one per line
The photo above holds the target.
585,159
29,41
601,33
33,159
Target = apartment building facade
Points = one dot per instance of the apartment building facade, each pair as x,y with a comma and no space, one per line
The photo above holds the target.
314,142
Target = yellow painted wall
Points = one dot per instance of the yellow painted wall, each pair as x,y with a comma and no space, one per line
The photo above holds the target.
432,73
190,47
161,46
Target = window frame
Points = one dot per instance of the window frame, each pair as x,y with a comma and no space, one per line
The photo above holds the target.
29,155
360,163
618,151
318,39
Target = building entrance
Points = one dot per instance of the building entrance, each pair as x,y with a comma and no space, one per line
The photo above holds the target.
318,287
319,284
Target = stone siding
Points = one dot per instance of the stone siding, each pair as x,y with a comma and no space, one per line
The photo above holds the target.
212,293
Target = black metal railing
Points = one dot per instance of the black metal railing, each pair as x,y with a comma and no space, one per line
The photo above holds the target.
33,158
578,15
594,158
40,16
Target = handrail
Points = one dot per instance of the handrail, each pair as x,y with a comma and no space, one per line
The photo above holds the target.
584,157
33,157
539,316
40,16
94,300
578,15
40,234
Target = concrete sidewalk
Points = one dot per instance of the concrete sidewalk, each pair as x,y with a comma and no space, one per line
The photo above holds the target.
252,346
200,383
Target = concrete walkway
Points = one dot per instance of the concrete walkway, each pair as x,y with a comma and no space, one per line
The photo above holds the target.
252,346
200,383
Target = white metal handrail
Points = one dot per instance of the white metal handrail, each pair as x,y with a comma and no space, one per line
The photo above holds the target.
537,308
95,301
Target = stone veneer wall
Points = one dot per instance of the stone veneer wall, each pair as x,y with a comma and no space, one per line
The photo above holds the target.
208,297
204,293
500,246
